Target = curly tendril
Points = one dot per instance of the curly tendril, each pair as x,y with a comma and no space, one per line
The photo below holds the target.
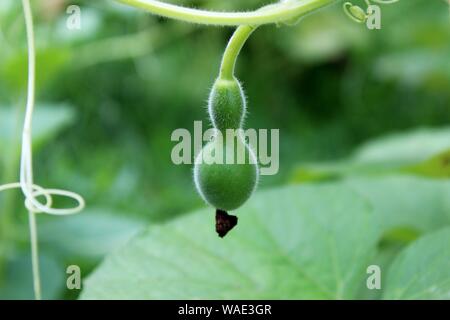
30,190
357,14
32,204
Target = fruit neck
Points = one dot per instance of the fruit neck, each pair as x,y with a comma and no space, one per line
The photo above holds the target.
232,50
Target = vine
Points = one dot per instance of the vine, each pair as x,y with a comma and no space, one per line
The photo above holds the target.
282,11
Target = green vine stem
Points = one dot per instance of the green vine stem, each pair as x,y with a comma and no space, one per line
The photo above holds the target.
274,13
232,50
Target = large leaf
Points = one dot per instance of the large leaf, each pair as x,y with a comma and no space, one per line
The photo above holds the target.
406,147
403,201
309,241
405,207
421,152
295,242
437,166
422,271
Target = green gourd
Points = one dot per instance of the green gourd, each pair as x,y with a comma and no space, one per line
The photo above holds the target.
221,179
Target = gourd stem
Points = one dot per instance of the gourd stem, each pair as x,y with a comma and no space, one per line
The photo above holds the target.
232,50
273,13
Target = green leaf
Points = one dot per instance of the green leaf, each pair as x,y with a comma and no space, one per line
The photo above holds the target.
404,148
419,152
403,201
405,207
383,259
422,271
290,243
437,167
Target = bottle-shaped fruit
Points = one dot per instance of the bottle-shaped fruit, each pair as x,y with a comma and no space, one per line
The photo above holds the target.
226,169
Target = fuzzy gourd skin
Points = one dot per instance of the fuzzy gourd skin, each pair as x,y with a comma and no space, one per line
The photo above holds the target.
223,185
226,105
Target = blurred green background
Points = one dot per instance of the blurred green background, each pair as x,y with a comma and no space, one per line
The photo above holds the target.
109,96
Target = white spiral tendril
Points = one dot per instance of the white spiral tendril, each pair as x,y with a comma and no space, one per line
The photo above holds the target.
30,190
